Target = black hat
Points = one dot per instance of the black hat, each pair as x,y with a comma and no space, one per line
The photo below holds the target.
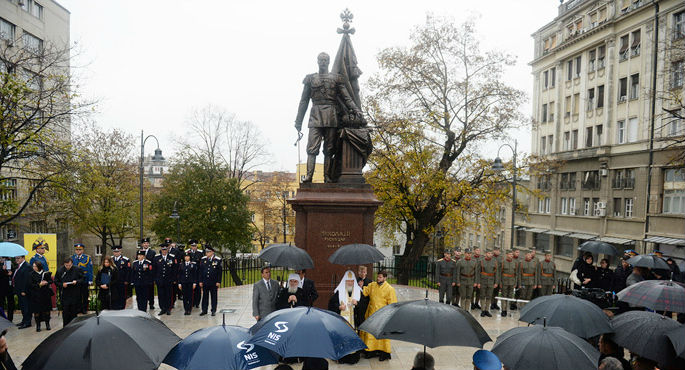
192,241
208,247
168,240
164,245
447,251
116,247
547,251
467,250
497,248
457,249
140,253
144,240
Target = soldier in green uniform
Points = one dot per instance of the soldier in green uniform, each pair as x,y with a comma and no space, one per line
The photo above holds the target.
446,276
497,255
536,290
466,278
548,274
508,269
475,298
455,290
517,292
487,278
528,277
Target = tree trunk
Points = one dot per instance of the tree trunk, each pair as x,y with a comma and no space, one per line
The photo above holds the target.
413,250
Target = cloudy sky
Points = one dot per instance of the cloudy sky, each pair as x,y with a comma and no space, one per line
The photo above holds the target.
150,62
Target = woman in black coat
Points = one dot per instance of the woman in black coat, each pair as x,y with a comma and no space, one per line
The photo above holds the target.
605,277
587,273
40,295
104,280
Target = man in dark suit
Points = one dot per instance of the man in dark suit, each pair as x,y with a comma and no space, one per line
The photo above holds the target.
187,278
70,279
164,268
211,268
310,293
292,295
20,282
264,294
360,308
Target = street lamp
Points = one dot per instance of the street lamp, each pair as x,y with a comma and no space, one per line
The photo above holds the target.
285,195
142,157
175,215
498,167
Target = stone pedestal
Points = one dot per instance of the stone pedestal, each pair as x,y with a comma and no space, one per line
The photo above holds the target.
328,216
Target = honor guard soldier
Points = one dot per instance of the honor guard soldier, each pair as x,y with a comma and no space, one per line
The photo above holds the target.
210,279
498,257
150,256
548,274
446,276
120,286
475,299
455,289
508,271
195,256
466,278
536,290
187,282
142,279
177,252
83,262
164,267
517,291
487,279
528,276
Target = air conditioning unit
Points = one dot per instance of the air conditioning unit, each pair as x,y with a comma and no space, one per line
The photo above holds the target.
621,99
603,172
602,212
602,205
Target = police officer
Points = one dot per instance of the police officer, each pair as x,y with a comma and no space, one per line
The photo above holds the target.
150,256
446,276
508,271
187,281
40,246
210,279
528,277
475,299
498,257
164,267
487,278
120,286
548,274
195,256
83,261
466,278
455,289
142,279
177,252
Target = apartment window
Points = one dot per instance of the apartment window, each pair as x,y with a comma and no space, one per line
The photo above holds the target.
591,60
634,86
677,71
598,135
521,237
543,145
98,250
601,52
571,206
567,106
553,72
7,30
569,70
571,182
630,178
36,9
545,77
564,246
679,25
8,191
544,182
574,139
576,103
567,140
632,130
619,180
579,59
622,89
600,96
586,206
551,112
595,207
676,127
541,241
564,205
674,191
550,144
635,46
591,180
548,203
38,227
621,132
590,99
31,42
629,207
623,51
541,205
544,113
588,137
617,207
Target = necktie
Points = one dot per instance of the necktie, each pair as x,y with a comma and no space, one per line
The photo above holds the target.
268,287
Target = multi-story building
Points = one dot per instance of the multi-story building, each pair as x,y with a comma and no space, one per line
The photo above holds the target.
154,168
602,73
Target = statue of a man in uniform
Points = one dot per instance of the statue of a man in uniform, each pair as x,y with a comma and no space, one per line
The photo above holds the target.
326,90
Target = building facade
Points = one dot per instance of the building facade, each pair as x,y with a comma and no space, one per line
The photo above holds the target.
600,104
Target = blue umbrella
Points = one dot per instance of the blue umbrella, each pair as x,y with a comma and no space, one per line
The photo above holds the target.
218,347
306,332
8,249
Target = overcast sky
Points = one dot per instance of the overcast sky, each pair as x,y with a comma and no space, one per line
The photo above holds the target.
150,62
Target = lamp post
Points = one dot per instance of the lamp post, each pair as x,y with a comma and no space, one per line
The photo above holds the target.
498,167
175,215
285,194
142,157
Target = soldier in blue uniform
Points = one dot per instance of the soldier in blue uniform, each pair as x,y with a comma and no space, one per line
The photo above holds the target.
188,272
164,266
195,256
120,286
85,263
40,246
178,257
210,279
150,256
141,279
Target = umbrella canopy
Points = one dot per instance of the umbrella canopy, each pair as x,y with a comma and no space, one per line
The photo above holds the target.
4,324
356,254
426,322
8,249
218,347
649,261
131,339
306,332
544,347
644,333
677,338
598,247
658,295
577,316
287,255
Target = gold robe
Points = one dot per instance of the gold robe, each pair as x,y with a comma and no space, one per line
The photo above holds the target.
380,296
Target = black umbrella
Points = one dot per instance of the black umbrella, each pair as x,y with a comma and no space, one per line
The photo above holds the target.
287,255
578,316
649,261
430,323
598,247
4,324
127,339
644,333
658,295
356,254
677,338
544,347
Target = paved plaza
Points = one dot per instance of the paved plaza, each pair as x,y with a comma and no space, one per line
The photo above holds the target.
23,342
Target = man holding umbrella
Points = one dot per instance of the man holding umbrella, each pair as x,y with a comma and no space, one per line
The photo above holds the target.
381,294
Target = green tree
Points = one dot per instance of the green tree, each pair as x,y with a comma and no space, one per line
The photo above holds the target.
211,205
434,103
